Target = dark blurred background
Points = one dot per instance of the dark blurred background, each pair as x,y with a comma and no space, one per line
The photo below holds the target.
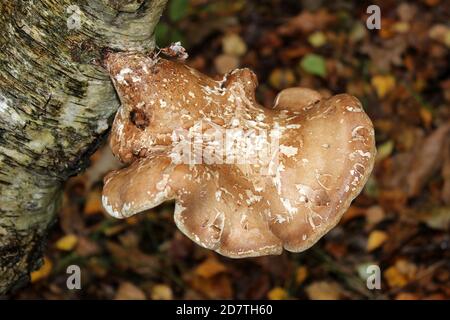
401,220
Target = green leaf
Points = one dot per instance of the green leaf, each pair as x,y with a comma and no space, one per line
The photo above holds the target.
178,9
314,64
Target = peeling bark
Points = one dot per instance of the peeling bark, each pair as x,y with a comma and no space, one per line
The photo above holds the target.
56,104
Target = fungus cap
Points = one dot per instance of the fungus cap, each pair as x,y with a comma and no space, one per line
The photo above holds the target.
325,151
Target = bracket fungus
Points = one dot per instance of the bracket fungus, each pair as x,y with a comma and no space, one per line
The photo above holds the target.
229,195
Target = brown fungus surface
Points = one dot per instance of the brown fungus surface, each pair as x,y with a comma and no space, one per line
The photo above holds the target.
325,152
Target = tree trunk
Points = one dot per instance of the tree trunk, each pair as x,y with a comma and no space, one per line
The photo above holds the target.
56,104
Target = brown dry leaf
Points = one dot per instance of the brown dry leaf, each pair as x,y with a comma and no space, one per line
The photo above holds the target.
217,287
390,54
376,239
427,159
277,293
161,292
352,213
323,290
307,22
128,291
86,247
93,203
43,272
67,242
374,215
210,267
224,63
133,259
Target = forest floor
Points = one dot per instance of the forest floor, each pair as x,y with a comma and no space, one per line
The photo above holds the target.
400,222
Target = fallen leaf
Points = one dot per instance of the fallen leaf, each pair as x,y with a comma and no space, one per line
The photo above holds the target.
307,22
224,63
395,278
133,259
93,203
314,64
323,290
281,78
277,293
232,44
427,159
43,272
128,291
67,243
317,39
437,218
376,239
300,275
87,247
441,33
383,84
210,267
161,292
217,287
374,215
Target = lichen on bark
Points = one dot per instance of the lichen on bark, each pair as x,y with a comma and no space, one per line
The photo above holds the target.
56,104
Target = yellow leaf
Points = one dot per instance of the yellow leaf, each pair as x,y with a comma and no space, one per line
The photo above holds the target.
300,275
209,268
323,290
376,239
161,292
383,84
395,278
67,243
43,271
277,293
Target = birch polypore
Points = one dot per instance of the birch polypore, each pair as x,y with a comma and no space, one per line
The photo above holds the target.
236,201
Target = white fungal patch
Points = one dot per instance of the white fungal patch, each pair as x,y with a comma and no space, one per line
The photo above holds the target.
288,206
252,198
120,77
109,208
162,103
161,185
356,135
353,109
355,154
218,195
288,151
279,218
